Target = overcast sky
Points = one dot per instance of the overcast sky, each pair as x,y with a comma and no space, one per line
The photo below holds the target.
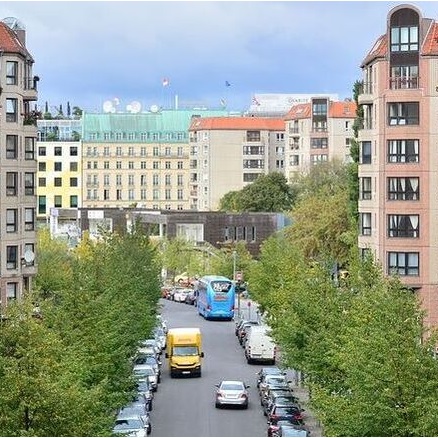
89,52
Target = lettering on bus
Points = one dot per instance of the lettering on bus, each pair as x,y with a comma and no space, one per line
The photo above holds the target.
221,289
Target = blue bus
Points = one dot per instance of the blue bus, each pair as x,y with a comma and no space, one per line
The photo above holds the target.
215,296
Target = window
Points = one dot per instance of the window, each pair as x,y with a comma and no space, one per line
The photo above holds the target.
58,151
143,151
11,110
131,195
106,165
11,73
179,151
58,182
250,177
118,180
118,151
11,146
42,166
106,180
365,224
316,159
11,257
404,77
11,291
143,165
42,151
118,164
11,183
366,152
42,182
167,165
11,220
403,113
131,180
57,201
155,165
143,180
29,148
294,160
404,38
404,263
29,219
403,189
131,165
403,151
403,225
73,151
143,194
253,164
155,195
167,181
155,151
253,150
58,166
319,143
73,201
73,166
130,151
180,180
180,165
106,194
29,248
179,194
42,205
253,136
167,195
73,182
365,192
167,151
155,179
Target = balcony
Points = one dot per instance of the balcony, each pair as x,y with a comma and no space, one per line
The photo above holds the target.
403,83
366,93
30,89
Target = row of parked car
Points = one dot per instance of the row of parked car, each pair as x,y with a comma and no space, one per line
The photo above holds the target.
179,294
280,405
134,419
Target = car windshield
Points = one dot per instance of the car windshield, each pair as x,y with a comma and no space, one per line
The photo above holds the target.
128,423
144,371
231,387
275,379
185,351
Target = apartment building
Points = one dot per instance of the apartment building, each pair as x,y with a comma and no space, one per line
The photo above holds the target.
18,164
227,153
398,168
318,131
59,175
138,159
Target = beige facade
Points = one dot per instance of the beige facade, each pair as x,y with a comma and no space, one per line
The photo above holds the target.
398,171
316,132
228,153
18,163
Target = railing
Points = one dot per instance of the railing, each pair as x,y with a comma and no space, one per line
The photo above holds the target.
398,82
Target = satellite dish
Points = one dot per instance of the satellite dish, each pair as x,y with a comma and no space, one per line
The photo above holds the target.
29,256
154,108
135,106
108,107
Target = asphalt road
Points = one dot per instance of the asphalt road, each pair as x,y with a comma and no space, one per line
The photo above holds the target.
185,406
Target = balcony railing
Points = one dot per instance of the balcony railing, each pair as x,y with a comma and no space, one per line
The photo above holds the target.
403,83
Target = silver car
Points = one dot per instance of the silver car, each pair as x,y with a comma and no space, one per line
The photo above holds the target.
232,393
132,425
147,371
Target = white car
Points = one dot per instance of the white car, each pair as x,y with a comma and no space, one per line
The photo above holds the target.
180,295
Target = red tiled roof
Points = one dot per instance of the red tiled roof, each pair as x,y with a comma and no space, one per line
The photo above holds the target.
345,109
429,47
379,50
10,43
237,123
430,44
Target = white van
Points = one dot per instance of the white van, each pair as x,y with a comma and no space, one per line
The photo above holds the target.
259,346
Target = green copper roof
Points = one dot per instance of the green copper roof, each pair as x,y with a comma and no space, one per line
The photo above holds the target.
141,126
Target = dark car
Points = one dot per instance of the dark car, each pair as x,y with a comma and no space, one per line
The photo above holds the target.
190,298
145,391
243,331
281,400
143,399
291,413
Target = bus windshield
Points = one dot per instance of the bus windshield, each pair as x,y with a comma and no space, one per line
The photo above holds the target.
185,351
